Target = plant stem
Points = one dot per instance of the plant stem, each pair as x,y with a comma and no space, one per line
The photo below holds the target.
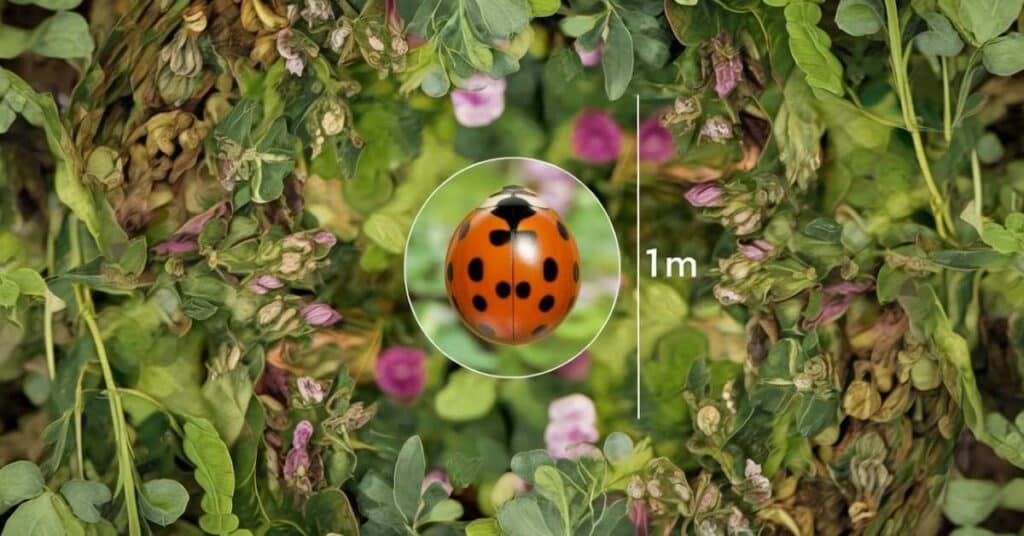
125,465
943,222
51,270
976,179
947,119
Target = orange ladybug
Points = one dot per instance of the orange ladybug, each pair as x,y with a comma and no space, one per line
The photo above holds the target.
512,270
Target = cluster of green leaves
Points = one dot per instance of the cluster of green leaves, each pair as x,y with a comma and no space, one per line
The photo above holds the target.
64,34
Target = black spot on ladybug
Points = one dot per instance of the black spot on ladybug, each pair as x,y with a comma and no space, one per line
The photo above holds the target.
464,230
503,289
476,269
451,272
523,290
513,210
546,303
550,269
539,329
479,303
485,329
575,271
562,231
500,237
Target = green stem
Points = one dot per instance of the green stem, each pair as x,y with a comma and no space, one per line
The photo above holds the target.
943,222
51,271
947,119
125,465
976,179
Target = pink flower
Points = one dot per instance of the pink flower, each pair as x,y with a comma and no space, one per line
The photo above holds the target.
572,427
293,62
589,58
727,64
319,315
717,129
401,372
310,390
184,239
577,369
264,284
835,300
656,142
638,516
757,250
480,102
297,461
439,476
325,238
550,183
596,138
705,194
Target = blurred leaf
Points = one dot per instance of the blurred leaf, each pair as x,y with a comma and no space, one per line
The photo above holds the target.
859,17
214,473
84,496
464,385
1005,56
410,467
22,480
162,501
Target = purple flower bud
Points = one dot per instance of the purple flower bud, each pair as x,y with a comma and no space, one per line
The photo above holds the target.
325,238
264,284
572,427
184,239
656,142
310,390
401,372
577,369
481,102
286,48
439,476
835,300
589,58
319,315
296,463
705,194
638,516
596,138
757,250
176,246
302,434
728,66
717,129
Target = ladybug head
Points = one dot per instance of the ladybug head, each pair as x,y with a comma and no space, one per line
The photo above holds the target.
516,192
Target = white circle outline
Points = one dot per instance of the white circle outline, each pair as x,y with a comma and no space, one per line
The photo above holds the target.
618,268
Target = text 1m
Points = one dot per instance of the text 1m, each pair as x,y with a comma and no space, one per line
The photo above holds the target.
673,266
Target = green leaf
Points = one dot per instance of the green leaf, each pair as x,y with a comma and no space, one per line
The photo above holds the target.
986,19
617,61
551,486
859,17
22,480
503,18
162,501
969,502
544,8
816,414
330,512
464,385
214,473
577,25
13,41
410,467
525,464
483,527
37,517
1004,56
84,496
522,517
941,39
64,35
617,447
28,280
445,511
811,47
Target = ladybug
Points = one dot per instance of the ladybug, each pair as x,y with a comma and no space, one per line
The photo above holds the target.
512,270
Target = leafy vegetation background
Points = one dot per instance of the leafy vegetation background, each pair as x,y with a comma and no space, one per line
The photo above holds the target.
205,205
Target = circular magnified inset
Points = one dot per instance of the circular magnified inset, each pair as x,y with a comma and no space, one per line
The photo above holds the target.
512,267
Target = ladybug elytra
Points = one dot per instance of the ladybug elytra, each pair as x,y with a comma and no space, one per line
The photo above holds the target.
512,269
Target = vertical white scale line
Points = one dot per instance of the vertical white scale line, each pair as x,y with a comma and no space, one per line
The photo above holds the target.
637,256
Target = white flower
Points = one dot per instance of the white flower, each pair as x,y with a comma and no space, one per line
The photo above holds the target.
480,102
